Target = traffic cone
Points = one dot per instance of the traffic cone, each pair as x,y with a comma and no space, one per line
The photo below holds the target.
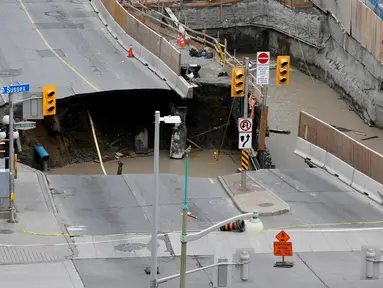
130,53
182,42
238,225
178,42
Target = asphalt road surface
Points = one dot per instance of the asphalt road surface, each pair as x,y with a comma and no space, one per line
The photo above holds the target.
101,205
67,46
316,197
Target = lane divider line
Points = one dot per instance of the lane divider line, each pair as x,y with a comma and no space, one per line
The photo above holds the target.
74,71
53,51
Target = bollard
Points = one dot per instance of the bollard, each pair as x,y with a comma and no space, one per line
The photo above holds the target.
119,168
370,257
244,258
12,218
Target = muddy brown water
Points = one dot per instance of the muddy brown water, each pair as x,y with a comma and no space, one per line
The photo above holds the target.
285,102
201,164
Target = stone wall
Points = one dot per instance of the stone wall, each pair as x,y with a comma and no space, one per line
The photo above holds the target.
315,41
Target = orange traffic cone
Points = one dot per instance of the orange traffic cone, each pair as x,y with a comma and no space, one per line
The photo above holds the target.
130,53
238,225
178,42
182,42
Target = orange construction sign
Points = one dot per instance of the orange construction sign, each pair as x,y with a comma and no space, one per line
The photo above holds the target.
282,236
283,249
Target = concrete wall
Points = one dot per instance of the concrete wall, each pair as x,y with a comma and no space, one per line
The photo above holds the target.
340,8
312,38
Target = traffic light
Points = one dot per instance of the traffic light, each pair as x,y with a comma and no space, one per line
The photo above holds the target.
237,82
49,100
283,70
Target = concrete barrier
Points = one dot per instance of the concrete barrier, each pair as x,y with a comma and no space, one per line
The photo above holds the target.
318,155
367,186
359,181
339,168
172,75
303,148
374,190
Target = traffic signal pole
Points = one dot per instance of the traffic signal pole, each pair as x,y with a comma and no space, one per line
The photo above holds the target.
262,130
245,114
11,149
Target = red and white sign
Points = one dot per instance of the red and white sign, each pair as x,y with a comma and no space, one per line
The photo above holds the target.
245,125
263,68
263,58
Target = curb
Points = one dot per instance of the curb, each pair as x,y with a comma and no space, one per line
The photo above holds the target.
228,191
231,195
44,185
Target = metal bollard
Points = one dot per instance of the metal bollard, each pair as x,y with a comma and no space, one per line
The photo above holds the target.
244,257
370,257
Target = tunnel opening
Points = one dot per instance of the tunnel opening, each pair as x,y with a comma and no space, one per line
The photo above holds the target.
118,116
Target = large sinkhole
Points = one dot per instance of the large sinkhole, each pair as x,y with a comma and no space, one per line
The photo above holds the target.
120,115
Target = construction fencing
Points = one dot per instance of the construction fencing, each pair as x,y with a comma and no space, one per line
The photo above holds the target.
148,38
328,148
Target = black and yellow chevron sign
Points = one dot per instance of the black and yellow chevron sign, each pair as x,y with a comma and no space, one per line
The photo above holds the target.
245,160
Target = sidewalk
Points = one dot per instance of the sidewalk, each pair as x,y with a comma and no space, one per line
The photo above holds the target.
256,197
29,259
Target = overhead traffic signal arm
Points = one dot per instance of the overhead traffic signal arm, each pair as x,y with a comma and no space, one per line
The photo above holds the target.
283,70
237,82
49,100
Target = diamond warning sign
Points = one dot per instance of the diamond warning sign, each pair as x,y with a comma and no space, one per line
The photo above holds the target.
282,236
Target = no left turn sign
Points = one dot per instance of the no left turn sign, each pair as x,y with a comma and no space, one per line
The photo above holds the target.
245,124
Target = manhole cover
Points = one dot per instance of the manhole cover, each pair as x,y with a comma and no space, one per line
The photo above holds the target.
5,231
267,204
131,247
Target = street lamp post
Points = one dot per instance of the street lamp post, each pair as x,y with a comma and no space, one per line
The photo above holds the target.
157,120
253,226
184,223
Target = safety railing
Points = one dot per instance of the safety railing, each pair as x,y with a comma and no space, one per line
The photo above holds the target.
199,39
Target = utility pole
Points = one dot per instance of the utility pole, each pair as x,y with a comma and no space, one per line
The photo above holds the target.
245,114
11,159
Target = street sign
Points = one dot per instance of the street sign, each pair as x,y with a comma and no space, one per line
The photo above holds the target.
263,57
282,236
245,140
15,89
263,68
245,125
24,125
245,160
283,249
33,108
